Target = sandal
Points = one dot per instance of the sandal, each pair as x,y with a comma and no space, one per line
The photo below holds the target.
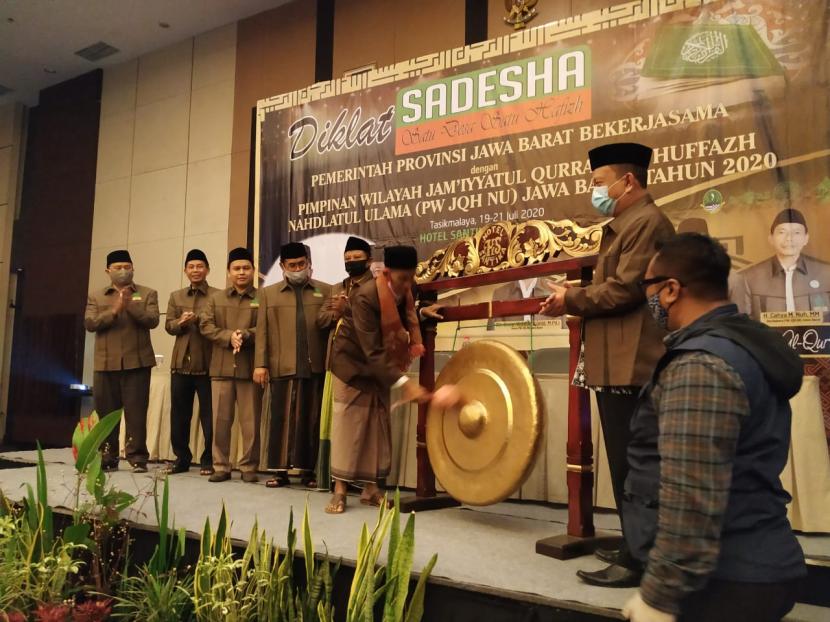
206,471
310,482
375,500
277,482
337,505
172,468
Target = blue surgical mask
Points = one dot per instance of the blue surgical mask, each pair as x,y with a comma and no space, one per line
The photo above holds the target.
604,204
658,311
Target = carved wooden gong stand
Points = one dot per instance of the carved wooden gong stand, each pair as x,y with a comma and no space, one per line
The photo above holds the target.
539,250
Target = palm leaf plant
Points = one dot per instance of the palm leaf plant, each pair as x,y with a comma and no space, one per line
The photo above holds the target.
372,582
160,590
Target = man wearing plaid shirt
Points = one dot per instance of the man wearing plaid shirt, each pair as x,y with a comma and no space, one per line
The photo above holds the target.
704,508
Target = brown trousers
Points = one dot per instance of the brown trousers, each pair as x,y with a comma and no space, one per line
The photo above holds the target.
128,389
246,396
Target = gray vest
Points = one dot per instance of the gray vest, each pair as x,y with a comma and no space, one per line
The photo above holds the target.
757,542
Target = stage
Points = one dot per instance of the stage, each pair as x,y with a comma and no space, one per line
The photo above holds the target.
487,550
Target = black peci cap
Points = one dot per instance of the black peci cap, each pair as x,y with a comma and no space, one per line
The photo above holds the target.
620,153
238,254
119,256
400,258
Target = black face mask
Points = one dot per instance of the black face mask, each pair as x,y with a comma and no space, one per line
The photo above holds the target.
357,268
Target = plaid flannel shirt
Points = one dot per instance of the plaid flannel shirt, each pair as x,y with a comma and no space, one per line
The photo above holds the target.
700,402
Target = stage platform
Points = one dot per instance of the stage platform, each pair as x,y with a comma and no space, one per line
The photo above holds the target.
485,551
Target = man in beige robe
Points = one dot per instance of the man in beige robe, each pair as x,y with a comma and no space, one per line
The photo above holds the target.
375,343
356,256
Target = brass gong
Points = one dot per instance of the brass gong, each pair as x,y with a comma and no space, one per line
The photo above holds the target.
482,452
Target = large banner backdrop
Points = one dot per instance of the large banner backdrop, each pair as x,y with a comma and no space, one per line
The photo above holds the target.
734,97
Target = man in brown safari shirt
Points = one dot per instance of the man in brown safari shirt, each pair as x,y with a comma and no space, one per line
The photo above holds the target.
229,321
121,316
190,364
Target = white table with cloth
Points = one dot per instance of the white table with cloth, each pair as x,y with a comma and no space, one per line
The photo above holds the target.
806,476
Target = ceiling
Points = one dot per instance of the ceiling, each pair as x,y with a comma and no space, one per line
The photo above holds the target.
39,38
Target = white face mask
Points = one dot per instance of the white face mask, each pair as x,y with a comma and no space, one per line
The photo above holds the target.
300,277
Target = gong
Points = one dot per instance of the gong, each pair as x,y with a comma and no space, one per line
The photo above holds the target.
483,451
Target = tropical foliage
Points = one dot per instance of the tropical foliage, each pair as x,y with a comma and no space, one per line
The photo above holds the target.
83,572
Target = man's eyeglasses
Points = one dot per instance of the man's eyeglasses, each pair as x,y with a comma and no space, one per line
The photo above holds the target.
643,283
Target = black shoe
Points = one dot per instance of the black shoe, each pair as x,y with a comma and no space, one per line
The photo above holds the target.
612,576
177,467
220,476
609,556
250,477
619,557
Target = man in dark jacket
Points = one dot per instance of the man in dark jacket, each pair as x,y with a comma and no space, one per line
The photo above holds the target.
704,508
